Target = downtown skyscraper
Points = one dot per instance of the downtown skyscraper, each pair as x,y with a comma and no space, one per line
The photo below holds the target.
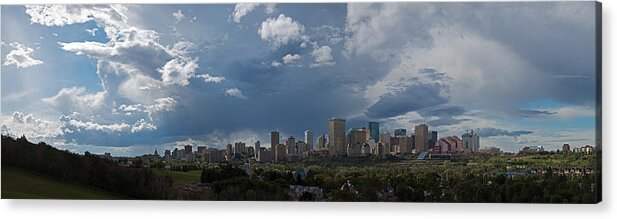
336,135
374,130
308,138
421,132
274,139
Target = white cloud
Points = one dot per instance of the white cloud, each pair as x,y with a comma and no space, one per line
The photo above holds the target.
110,16
322,56
183,48
235,92
75,125
178,71
92,31
35,129
280,31
142,125
74,99
275,64
290,59
211,79
376,29
160,105
178,15
137,66
243,9
20,56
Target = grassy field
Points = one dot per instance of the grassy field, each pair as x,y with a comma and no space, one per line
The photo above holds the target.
21,184
181,177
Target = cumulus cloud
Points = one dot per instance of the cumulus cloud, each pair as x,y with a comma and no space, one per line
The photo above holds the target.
326,34
275,63
75,125
166,104
235,92
142,125
138,67
290,59
110,16
73,99
243,9
35,129
178,71
178,15
280,30
211,79
322,56
20,56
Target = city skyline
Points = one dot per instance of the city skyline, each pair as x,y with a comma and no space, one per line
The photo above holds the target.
129,79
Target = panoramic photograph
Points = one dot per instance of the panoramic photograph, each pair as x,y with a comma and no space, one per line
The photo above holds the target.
447,102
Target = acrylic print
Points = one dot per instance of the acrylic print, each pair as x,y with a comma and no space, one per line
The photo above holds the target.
334,102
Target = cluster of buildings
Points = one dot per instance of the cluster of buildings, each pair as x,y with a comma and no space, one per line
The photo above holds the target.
339,141
587,149
353,142
356,142
364,141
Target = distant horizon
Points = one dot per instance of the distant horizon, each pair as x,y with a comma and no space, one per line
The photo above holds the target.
128,79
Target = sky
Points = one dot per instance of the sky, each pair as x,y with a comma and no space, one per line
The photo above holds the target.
129,79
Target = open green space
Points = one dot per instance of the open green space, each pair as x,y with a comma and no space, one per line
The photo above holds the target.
21,184
182,177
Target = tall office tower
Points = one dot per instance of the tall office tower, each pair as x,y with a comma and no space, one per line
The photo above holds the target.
404,144
301,148
229,152
356,136
257,148
321,142
336,135
421,138
471,142
308,138
239,148
291,145
432,139
400,132
374,129
258,151
280,151
274,139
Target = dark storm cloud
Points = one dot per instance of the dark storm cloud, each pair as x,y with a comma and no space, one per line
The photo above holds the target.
569,54
535,113
446,115
412,98
490,132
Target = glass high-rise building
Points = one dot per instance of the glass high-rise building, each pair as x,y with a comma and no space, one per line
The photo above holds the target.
400,132
308,138
374,129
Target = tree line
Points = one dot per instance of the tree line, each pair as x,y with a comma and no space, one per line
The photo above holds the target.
87,169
